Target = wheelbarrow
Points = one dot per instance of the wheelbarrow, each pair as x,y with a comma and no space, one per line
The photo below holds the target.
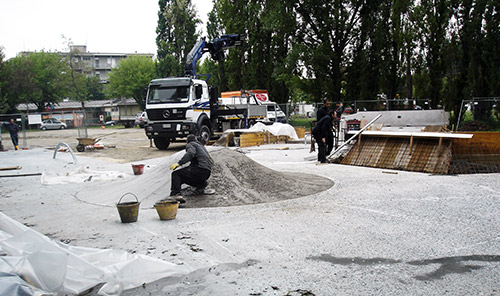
86,144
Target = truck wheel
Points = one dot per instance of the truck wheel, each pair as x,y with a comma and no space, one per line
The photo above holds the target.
205,134
162,143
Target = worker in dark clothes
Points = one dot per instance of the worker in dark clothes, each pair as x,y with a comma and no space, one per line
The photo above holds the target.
13,129
196,174
322,112
320,133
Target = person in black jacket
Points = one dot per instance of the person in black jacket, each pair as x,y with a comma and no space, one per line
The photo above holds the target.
321,132
196,174
13,129
323,111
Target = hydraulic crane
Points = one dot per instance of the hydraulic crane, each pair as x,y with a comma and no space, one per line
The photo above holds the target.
215,48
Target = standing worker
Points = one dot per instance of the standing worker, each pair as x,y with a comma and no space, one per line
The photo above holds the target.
13,129
196,174
322,112
321,132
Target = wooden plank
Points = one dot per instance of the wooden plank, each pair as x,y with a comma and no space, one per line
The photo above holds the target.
301,131
251,139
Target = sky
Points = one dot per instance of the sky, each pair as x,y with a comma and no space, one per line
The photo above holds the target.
105,26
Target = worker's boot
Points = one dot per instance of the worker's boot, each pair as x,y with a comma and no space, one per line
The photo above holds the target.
203,189
178,198
17,147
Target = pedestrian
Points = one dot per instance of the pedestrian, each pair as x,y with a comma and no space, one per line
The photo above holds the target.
196,174
320,133
13,129
322,112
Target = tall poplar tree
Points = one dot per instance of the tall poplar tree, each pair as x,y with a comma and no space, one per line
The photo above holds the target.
176,35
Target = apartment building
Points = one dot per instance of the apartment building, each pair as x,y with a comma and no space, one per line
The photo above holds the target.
96,63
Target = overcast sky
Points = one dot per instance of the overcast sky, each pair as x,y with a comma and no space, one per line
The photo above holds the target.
111,26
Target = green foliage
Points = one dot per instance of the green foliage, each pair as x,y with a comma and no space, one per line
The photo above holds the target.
443,50
4,103
39,78
131,78
296,120
176,35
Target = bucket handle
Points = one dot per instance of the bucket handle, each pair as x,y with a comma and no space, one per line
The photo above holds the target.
126,194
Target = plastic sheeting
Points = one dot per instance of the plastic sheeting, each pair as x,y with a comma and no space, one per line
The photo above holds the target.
79,175
54,267
276,129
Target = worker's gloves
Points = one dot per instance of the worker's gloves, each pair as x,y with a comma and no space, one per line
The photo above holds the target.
174,166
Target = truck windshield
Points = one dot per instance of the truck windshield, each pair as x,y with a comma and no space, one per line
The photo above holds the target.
172,94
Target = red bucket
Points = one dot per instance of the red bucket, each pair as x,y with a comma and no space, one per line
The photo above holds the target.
138,169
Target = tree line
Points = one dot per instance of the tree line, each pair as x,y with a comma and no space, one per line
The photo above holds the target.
444,51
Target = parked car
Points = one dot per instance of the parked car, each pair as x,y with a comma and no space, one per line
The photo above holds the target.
141,119
52,123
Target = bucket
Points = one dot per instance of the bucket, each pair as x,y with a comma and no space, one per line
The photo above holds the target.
138,169
167,209
128,210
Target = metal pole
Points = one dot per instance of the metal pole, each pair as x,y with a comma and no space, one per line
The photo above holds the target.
459,115
23,125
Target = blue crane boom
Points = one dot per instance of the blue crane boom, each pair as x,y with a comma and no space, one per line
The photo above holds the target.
215,48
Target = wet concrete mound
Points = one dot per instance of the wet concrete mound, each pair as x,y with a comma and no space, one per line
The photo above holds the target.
238,180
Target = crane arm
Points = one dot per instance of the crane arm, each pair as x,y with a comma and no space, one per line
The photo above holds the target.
215,48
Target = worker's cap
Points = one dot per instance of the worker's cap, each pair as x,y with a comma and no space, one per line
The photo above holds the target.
191,138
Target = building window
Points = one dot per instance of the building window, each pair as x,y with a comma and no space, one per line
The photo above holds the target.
97,63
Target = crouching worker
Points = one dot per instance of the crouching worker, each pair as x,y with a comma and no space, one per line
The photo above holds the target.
196,174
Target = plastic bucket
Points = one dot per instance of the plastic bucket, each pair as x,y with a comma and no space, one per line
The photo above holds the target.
167,209
129,211
138,169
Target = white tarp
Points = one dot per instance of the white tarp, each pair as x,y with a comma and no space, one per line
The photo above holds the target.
78,175
276,129
58,268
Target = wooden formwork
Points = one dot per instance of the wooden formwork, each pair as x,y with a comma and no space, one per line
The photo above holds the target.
419,154
436,155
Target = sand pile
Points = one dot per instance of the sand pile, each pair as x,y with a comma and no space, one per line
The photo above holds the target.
237,180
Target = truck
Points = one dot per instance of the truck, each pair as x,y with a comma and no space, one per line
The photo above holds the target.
179,106
255,97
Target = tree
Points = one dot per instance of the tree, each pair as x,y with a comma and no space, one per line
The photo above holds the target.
131,78
39,78
435,15
327,29
176,35
4,103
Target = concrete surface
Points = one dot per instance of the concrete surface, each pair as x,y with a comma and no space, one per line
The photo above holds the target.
375,232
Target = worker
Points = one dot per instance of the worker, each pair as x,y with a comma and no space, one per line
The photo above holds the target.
323,111
196,174
13,129
320,133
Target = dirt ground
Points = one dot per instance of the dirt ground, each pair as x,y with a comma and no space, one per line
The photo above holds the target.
122,145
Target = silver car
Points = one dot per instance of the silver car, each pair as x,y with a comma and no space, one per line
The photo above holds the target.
52,123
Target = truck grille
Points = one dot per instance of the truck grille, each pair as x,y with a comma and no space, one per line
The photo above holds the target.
166,114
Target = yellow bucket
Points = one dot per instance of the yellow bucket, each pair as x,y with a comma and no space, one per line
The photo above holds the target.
167,209
129,211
